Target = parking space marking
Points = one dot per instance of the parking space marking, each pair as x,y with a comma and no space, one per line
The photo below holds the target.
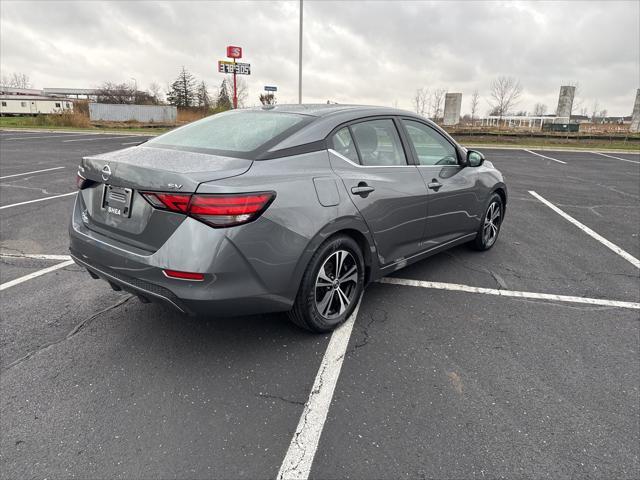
35,256
29,137
29,173
617,158
299,457
101,137
616,249
544,156
131,143
37,200
44,271
508,293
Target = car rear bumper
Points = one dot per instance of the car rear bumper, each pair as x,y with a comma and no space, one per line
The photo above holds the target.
230,287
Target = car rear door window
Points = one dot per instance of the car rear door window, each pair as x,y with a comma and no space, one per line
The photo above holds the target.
343,144
379,143
431,147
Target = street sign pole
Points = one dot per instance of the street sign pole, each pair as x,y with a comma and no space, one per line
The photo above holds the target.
235,87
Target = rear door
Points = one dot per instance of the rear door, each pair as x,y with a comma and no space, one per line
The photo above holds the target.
454,204
389,193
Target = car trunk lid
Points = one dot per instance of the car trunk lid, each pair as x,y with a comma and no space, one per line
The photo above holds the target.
113,205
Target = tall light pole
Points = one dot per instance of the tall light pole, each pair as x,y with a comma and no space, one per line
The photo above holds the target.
300,58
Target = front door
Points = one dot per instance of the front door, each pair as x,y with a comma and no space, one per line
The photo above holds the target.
453,207
388,192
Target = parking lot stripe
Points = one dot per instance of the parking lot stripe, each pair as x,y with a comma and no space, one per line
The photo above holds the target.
29,137
44,271
101,137
299,457
35,256
627,256
617,158
29,173
508,293
37,200
544,156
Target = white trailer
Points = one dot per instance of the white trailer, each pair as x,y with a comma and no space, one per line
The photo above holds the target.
33,105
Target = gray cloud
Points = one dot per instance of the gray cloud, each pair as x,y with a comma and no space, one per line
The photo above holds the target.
374,52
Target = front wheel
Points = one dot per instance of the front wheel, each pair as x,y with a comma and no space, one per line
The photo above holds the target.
331,286
491,223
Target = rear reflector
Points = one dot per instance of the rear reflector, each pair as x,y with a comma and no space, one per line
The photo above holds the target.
196,277
214,210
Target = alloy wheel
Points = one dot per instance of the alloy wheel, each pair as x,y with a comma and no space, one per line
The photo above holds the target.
491,224
336,284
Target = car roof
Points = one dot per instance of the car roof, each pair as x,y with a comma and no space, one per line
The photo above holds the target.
330,116
326,109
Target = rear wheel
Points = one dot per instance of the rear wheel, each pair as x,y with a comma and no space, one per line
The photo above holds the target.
331,286
491,223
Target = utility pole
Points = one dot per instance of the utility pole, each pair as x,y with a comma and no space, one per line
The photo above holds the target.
300,58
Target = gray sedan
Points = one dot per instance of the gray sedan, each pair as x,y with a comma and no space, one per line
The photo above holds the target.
288,208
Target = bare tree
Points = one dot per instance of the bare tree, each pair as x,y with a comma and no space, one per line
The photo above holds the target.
578,101
16,80
475,102
594,111
421,101
539,109
437,99
111,92
241,89
505,92
267,98
155,91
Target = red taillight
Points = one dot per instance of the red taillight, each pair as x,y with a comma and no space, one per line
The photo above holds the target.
195,277
171,201
214,210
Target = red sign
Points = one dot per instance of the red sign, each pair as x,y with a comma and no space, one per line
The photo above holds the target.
234,52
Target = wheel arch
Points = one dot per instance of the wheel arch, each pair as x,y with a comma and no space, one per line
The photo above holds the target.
352,226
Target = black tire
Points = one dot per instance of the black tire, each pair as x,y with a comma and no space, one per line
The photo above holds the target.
483,241
313,291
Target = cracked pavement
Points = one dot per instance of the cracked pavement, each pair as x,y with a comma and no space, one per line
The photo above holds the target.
434,384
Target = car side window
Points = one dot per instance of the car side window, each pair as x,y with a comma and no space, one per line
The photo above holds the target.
379,143
343,144
431,147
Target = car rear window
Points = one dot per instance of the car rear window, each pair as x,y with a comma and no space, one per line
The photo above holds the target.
229,132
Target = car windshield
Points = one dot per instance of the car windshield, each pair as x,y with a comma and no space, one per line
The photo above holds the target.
239,132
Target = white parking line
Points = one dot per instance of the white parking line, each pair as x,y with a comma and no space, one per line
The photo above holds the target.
544,156
616,249
509,293
131,143
101,137
35,256
29,137
299,457
29,173
44,271
37,200
617,158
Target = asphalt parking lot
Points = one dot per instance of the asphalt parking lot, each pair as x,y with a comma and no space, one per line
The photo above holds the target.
520,362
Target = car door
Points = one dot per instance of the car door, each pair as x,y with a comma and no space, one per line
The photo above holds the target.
453,195
389,193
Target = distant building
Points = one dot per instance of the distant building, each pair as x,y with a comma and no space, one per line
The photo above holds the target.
30,101
24,104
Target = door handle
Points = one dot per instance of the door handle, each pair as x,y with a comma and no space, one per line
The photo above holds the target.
434,185
362,189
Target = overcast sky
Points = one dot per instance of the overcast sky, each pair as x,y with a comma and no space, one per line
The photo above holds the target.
354,51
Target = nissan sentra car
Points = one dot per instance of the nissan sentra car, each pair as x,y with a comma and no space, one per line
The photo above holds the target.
291,208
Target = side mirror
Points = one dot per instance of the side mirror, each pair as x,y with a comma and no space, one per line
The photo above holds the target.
474,158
